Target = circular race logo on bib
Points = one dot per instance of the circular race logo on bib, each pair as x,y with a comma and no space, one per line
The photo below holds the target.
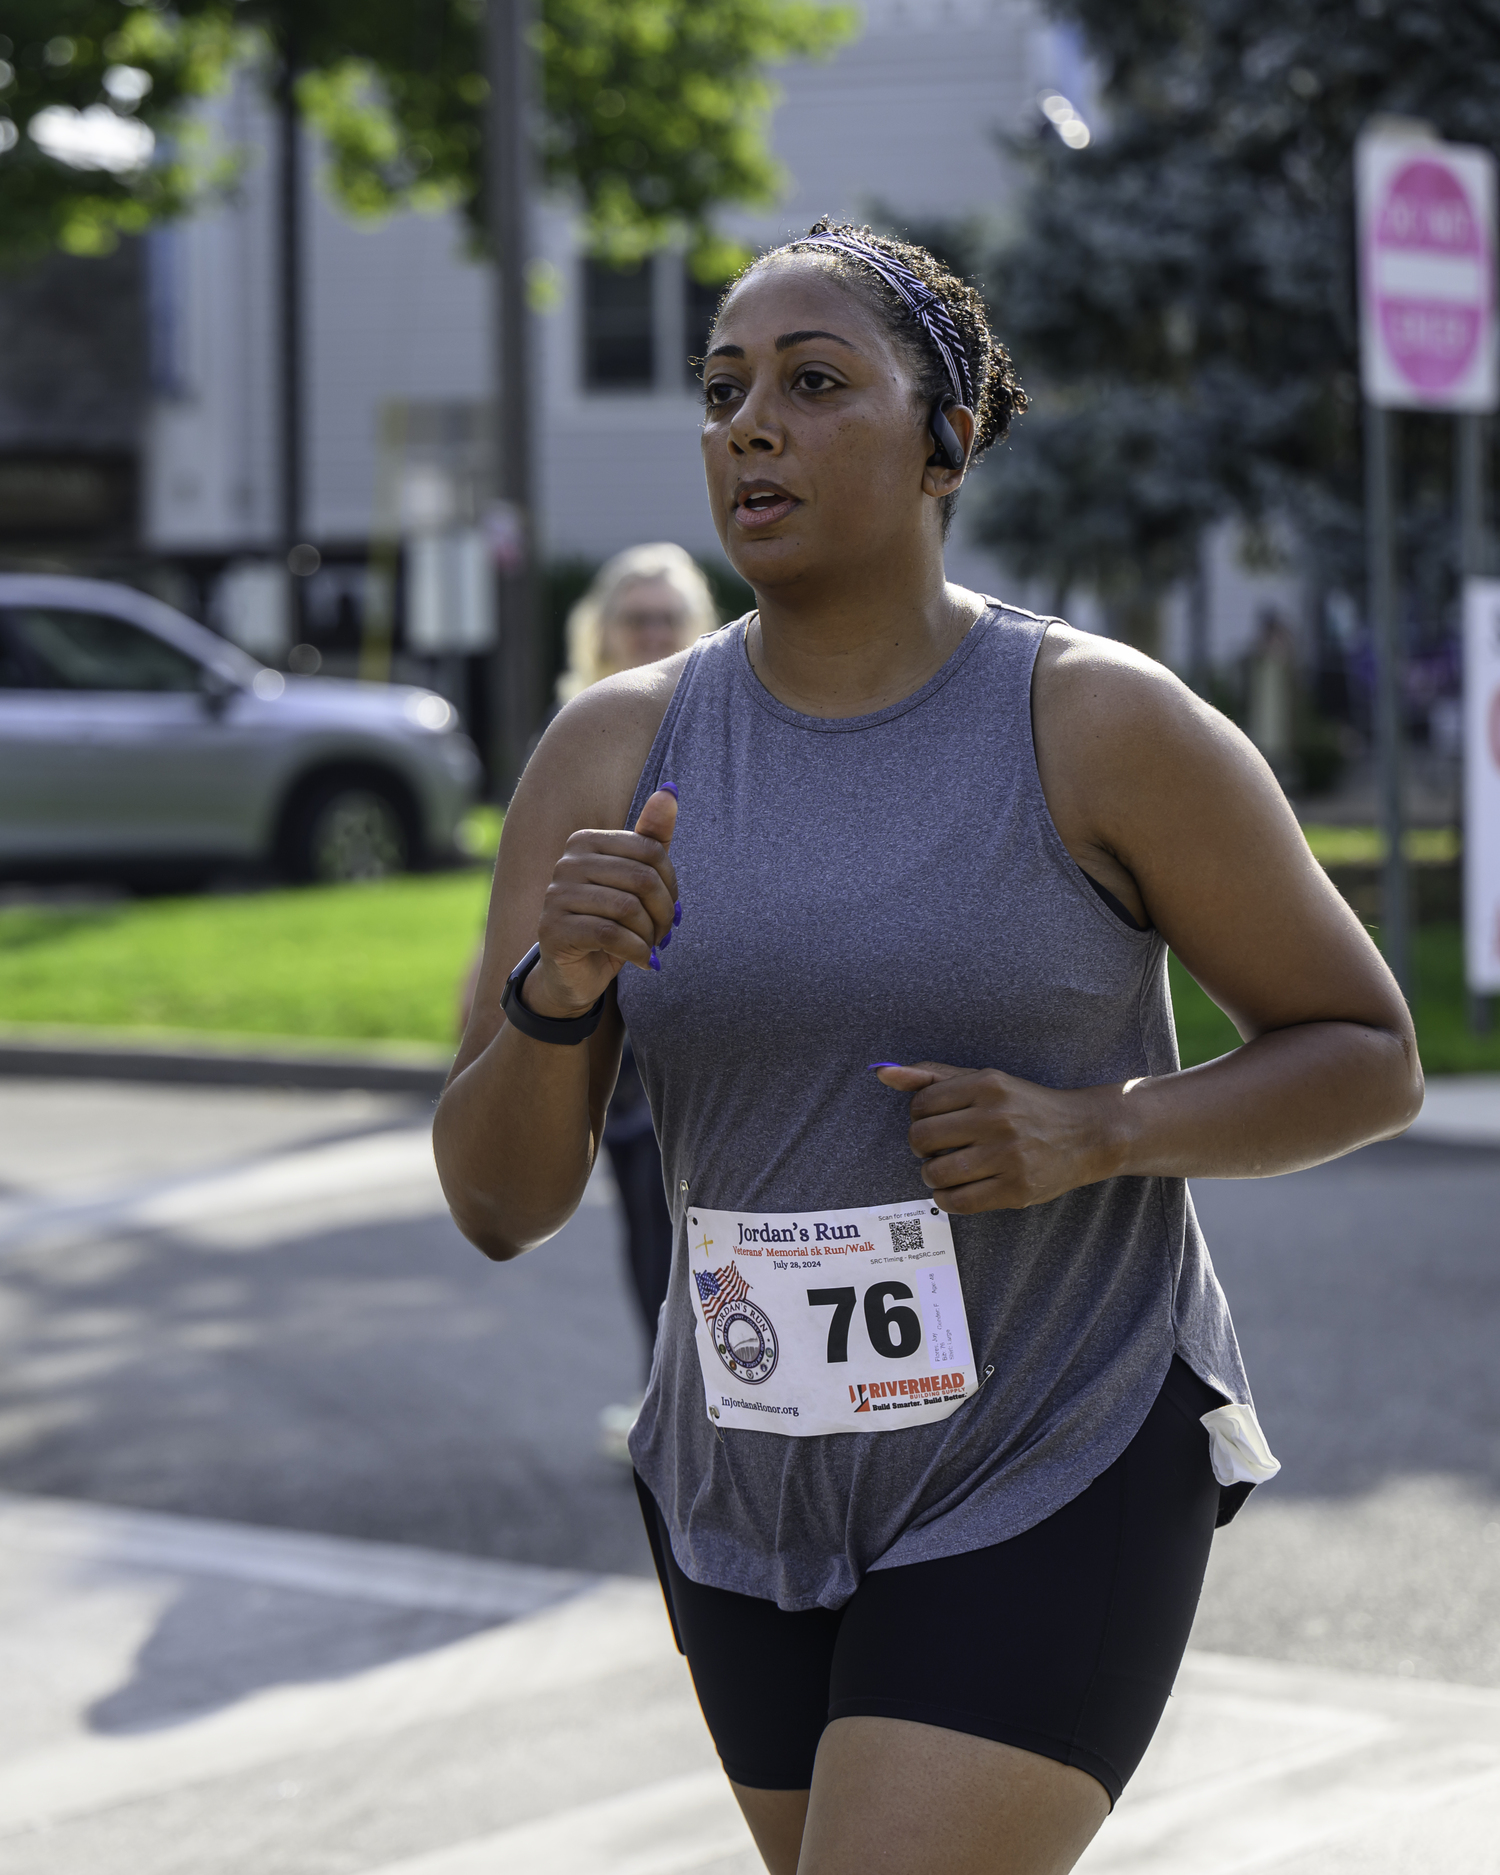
746,1341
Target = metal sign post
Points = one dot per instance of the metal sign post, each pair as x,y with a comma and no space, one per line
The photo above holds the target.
1390,728
289,339
1481,807
1427,342
515,700
1482,787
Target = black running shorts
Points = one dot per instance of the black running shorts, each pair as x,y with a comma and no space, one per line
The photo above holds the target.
1063,1641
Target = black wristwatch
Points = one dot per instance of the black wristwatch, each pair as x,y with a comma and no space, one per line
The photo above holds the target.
563,1030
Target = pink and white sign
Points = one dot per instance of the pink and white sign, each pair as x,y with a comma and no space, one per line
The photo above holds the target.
1427,274
1482,785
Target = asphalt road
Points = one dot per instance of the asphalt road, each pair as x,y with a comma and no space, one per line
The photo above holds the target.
332,1356
249,1305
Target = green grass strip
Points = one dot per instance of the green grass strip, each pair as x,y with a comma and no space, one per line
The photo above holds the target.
1447,1046
383,962
370,962
1365,846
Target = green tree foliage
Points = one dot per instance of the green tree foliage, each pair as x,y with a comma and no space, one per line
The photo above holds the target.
1182,291
133,65
658,111
653,112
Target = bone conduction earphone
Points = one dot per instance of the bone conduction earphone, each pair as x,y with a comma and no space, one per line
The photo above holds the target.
949,453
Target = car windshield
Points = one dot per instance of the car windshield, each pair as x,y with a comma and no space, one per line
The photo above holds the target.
57,648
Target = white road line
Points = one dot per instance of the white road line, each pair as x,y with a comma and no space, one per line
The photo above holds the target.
349,1165
690,1824
1144,1827
1371,1752
400,1157
1234,1822
617,1628
391,1574
1259,1766
676,1827
1348,1815
1284,1822
379,1160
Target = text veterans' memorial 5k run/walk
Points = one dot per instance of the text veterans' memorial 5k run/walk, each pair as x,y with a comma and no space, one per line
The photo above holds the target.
830,1321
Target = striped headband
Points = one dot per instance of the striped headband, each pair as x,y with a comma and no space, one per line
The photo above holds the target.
919,300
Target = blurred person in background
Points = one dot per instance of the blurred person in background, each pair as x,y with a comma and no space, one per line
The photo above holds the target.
644,605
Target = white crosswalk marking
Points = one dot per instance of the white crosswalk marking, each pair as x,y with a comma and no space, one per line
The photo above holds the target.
1259,1768
373,1164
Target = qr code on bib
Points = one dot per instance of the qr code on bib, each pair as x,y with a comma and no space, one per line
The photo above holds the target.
906,1234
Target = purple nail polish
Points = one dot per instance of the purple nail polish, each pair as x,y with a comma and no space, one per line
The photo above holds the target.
666,940
669,787
884,1064
655,960
677,912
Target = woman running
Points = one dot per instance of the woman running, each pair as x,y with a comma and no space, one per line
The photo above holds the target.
947,1401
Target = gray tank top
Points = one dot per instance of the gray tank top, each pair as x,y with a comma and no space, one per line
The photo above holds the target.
892,888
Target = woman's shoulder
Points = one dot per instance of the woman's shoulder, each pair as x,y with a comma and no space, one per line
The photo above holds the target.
594,749
1095,689
1123,746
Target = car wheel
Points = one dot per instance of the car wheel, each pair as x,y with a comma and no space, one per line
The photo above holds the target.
348,830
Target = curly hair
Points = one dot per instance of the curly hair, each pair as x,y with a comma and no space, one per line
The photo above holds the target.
999,398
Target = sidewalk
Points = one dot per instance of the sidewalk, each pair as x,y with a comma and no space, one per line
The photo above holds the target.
192,1698
1460,1110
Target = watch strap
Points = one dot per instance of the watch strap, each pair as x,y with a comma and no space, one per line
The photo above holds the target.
565,1031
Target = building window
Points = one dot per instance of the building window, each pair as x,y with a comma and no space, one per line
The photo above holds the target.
699,304
619,348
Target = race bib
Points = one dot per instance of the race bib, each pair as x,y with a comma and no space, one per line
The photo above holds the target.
829,1321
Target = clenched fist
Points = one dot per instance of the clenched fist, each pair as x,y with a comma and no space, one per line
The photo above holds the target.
989,1141
612,901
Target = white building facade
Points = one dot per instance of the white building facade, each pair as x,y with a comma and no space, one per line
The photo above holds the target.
903,124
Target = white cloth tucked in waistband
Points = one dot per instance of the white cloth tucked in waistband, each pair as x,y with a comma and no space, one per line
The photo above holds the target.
1237,1447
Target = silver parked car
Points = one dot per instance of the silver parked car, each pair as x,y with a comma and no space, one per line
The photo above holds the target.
136,742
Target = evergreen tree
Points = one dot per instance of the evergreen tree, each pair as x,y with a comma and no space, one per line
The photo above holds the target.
1182,290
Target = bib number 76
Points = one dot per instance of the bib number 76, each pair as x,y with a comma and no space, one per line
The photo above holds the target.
894,1331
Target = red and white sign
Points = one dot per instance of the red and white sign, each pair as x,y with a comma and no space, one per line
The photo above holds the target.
1482,785
1427,273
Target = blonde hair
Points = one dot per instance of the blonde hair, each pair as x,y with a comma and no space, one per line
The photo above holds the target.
661,560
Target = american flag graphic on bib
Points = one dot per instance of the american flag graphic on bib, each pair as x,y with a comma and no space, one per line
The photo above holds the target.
718,1287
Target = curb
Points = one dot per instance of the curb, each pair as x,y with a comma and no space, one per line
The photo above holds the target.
223,1067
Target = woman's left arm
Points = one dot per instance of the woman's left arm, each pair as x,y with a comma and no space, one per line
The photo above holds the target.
1166,804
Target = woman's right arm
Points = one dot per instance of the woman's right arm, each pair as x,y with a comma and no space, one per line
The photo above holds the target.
519,1121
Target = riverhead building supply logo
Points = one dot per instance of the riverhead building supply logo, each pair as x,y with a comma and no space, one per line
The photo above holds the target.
743,1337
885,1396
